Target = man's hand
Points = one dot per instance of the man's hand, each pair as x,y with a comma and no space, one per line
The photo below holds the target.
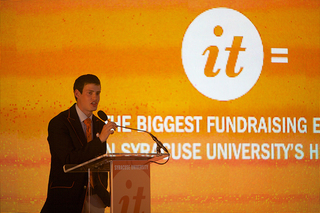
107,129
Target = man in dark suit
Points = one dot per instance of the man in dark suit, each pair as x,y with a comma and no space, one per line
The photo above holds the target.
71,143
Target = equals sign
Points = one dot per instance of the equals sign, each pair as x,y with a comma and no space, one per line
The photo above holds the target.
280,52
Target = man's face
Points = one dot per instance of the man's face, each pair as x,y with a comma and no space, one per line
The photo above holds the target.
89,99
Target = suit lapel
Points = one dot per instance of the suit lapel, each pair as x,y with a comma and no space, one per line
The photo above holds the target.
74,120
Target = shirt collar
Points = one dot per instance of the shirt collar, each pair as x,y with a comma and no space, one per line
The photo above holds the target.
81,115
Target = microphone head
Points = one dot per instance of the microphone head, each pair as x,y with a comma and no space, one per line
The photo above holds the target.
103,116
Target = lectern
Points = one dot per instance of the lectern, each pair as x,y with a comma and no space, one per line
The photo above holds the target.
129,178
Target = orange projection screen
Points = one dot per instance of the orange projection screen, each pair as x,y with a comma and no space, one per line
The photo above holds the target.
230,87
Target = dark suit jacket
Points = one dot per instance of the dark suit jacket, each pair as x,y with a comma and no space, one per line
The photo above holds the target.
68,145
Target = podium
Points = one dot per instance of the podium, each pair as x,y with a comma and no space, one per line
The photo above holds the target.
129,179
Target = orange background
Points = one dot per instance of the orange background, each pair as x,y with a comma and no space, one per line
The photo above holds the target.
135,49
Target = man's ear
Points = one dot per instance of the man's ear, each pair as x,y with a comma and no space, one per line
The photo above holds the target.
77,93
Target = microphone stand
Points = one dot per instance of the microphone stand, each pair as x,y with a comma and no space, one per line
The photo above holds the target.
103,116
159,144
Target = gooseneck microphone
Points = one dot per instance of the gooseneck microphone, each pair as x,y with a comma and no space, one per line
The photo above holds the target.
103,116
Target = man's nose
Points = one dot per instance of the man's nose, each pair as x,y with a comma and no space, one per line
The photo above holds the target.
94,97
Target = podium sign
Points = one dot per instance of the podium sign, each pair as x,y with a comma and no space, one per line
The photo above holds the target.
131,186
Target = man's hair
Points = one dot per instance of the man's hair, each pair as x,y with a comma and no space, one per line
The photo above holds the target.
84,80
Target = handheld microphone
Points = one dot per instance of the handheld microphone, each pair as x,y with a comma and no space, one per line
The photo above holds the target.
103,116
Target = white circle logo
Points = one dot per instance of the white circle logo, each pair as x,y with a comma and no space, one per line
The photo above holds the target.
222,54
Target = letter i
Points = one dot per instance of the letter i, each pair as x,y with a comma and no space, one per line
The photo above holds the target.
213,55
